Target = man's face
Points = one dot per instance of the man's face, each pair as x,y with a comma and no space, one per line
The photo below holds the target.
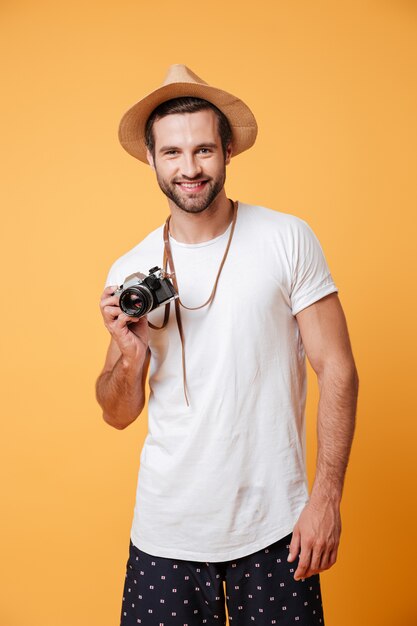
189,162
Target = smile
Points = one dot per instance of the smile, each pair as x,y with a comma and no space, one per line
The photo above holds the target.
197,186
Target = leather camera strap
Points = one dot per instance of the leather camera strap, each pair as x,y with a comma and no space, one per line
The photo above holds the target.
168,304
168,261
172,268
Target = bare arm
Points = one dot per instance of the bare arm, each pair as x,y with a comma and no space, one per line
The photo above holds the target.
120,388
325,337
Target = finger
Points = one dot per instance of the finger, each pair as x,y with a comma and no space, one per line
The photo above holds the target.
111,312
328,557
303,563
109,291
324,561
294,545
333,557
123,320
109,301
316,556
133,320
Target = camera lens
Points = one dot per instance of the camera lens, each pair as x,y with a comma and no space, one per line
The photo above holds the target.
136,301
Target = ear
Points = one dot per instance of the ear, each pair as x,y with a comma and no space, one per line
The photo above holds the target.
228,155
150,159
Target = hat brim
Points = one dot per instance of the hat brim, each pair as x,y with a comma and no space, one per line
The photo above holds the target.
240,117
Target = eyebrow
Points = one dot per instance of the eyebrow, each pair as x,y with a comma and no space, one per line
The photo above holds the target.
207,144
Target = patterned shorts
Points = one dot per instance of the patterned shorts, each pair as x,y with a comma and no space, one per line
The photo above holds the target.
254,589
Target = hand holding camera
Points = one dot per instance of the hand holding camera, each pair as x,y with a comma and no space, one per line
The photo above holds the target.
130,334
124,309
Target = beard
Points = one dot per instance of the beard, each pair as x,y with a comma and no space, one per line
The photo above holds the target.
189,202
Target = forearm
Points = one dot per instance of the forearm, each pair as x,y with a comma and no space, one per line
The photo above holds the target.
335,428
120,391
316,534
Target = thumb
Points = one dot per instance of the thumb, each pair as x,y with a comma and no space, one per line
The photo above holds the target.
295,545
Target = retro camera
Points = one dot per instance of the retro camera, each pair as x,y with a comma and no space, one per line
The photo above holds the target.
141,294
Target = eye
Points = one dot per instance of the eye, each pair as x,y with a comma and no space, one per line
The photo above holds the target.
204,150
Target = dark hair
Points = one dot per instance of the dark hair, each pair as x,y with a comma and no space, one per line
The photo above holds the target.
186,104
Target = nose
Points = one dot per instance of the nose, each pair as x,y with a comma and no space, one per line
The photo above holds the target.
190,166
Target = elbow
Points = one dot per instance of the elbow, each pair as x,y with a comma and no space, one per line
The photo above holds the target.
114,423
342,374
120,423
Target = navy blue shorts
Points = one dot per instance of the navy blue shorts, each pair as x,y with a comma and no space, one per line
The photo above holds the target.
254,589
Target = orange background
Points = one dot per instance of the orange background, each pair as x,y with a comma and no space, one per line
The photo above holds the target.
333,87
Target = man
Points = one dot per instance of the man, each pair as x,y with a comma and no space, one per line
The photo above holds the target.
222,500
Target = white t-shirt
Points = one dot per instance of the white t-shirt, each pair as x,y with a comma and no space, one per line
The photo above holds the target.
225,476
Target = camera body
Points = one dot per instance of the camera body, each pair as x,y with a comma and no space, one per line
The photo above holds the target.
141,294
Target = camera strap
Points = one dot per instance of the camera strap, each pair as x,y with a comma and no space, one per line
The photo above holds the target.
168,261
165,320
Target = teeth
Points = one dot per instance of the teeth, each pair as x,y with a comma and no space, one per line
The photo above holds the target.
191,185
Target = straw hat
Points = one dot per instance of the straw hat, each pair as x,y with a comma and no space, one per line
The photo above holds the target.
181,81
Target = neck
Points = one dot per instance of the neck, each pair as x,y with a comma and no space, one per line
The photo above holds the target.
198,227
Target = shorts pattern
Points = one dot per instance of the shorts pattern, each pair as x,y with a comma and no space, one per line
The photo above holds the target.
254,589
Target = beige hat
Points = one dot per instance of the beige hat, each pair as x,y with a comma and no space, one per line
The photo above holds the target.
181,81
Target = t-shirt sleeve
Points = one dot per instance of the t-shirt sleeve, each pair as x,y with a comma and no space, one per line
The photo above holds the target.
311,278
